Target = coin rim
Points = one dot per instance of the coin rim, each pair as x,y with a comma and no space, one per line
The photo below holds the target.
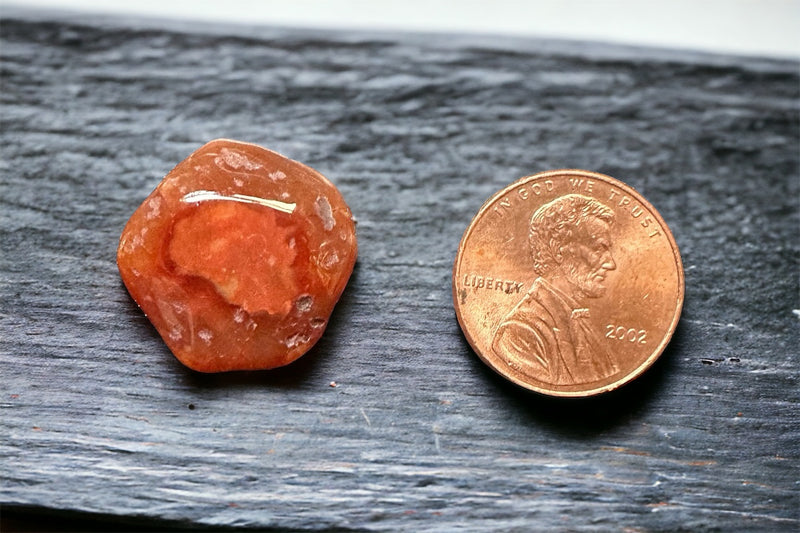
651,359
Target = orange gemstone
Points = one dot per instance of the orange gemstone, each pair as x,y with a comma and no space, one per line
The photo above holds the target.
238,257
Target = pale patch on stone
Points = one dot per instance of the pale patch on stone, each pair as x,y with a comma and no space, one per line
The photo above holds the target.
277,175
205,335
329,260
235,160
317,322
296,339
154,208
304,303
325,213
239,315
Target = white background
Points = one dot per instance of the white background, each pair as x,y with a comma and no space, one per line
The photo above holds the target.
750,27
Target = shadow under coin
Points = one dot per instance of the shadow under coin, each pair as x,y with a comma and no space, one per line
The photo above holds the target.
586,417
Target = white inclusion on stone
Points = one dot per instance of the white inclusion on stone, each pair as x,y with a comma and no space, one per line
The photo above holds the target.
329,260
154,208
238,182
317,322
304,303
175,334
206,335
206,196
292,243
239,316
285,195
235,160
277,175
325,213
296,339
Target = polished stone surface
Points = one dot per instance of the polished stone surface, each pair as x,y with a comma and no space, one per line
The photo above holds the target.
238,257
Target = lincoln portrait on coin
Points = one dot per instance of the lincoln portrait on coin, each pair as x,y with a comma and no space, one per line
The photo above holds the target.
548,334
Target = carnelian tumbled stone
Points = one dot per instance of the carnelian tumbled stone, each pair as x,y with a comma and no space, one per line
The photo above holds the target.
238,257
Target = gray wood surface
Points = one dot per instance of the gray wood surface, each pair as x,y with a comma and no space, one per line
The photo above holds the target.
99,419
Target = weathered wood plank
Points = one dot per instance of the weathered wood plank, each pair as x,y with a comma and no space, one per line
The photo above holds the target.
417,131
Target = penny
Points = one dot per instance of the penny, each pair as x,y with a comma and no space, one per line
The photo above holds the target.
568,283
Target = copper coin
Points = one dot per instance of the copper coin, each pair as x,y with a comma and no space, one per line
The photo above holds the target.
568,283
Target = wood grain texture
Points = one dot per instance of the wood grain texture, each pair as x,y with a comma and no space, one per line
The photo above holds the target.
416,131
